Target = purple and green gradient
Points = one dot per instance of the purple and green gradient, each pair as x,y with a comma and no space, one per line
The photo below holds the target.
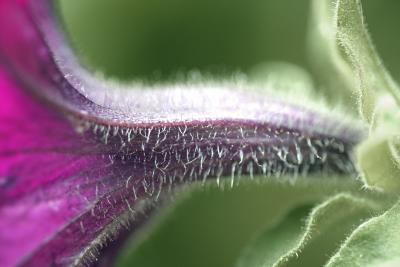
80,156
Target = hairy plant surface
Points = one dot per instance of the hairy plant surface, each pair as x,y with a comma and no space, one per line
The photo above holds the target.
86,162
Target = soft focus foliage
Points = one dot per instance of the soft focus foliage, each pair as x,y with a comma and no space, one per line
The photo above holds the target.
292,244
374,243
225,225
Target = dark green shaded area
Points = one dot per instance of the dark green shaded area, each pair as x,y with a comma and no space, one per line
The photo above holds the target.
211,227
383,23
154,39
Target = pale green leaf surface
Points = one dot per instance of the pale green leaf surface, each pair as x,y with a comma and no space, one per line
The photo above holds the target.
332,73
378,156
374,81
379,162
344,38
295,243
374,243
275,242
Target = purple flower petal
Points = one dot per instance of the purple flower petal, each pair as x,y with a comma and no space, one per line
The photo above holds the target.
79,154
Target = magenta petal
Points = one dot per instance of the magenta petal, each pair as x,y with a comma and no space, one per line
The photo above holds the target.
54,198
29,213
76,157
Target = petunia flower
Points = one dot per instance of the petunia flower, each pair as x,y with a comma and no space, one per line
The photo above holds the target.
84,159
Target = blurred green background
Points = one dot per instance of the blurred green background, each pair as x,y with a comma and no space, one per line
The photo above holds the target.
156,39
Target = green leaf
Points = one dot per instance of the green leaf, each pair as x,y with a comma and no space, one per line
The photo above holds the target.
332,72
375,243
275,242
379,163
208,227
374,80
293,244
341,42
345,58
378,157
